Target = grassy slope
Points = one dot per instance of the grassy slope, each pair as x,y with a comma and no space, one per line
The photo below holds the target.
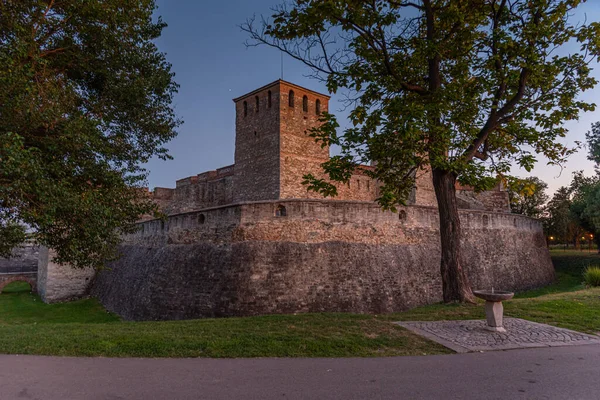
28,326
566,303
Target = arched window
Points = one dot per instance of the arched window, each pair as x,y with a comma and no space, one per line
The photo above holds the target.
245,109
291,98
280,211
318,107
269,99
402,215
201,219
257,101
305,104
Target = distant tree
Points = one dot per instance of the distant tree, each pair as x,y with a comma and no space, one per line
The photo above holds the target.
466,87
559,221
528,196
593,143
585,207
85,99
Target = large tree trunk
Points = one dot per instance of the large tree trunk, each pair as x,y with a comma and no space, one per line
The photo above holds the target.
454,280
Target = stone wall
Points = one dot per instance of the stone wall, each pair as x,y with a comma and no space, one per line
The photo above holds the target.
322,256
273,153
23,260
257,145
299,153
58,282
21,266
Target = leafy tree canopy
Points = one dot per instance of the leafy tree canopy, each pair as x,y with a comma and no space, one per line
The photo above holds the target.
558,221
85,98
467,87
528,196
585,204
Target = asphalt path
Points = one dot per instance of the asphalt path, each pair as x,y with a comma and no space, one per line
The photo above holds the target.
547,373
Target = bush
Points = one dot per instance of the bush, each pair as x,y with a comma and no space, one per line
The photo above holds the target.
591,276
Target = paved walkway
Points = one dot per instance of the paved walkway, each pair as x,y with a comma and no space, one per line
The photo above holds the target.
542,373
471,335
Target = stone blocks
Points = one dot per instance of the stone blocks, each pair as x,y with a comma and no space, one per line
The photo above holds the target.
322,256
58,282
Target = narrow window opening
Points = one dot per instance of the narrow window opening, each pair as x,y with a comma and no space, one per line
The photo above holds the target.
280,211
368,186
318,107
245,109
402,215
291,98
269,99
257,101
201,219
305,104
358,184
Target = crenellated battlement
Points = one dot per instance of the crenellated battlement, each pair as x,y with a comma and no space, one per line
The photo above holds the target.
273,151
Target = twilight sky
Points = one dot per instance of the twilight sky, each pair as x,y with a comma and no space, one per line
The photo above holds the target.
212,65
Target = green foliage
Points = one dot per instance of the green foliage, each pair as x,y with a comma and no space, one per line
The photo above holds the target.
558,220
527,196
593,141
585,206
467,87
85,99
591,276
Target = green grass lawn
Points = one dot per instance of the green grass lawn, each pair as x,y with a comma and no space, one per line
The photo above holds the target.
84,328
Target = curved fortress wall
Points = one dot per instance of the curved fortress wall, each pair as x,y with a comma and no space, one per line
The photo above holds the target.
311,256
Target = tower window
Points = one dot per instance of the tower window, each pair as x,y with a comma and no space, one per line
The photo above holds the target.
269,99
402,215
291,98
257,101
305,104
280,211
245,109
318,107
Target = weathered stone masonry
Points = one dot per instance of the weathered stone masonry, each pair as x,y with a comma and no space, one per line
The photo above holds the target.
249,239
22,266
274,150
322,256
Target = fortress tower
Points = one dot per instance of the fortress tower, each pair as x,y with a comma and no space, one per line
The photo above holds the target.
273,149
248,239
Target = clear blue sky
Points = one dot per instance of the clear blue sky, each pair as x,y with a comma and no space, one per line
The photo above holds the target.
212,65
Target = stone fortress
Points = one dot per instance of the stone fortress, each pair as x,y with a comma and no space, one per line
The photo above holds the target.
273,151
249,238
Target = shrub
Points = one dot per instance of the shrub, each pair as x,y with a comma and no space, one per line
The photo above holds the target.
591,276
